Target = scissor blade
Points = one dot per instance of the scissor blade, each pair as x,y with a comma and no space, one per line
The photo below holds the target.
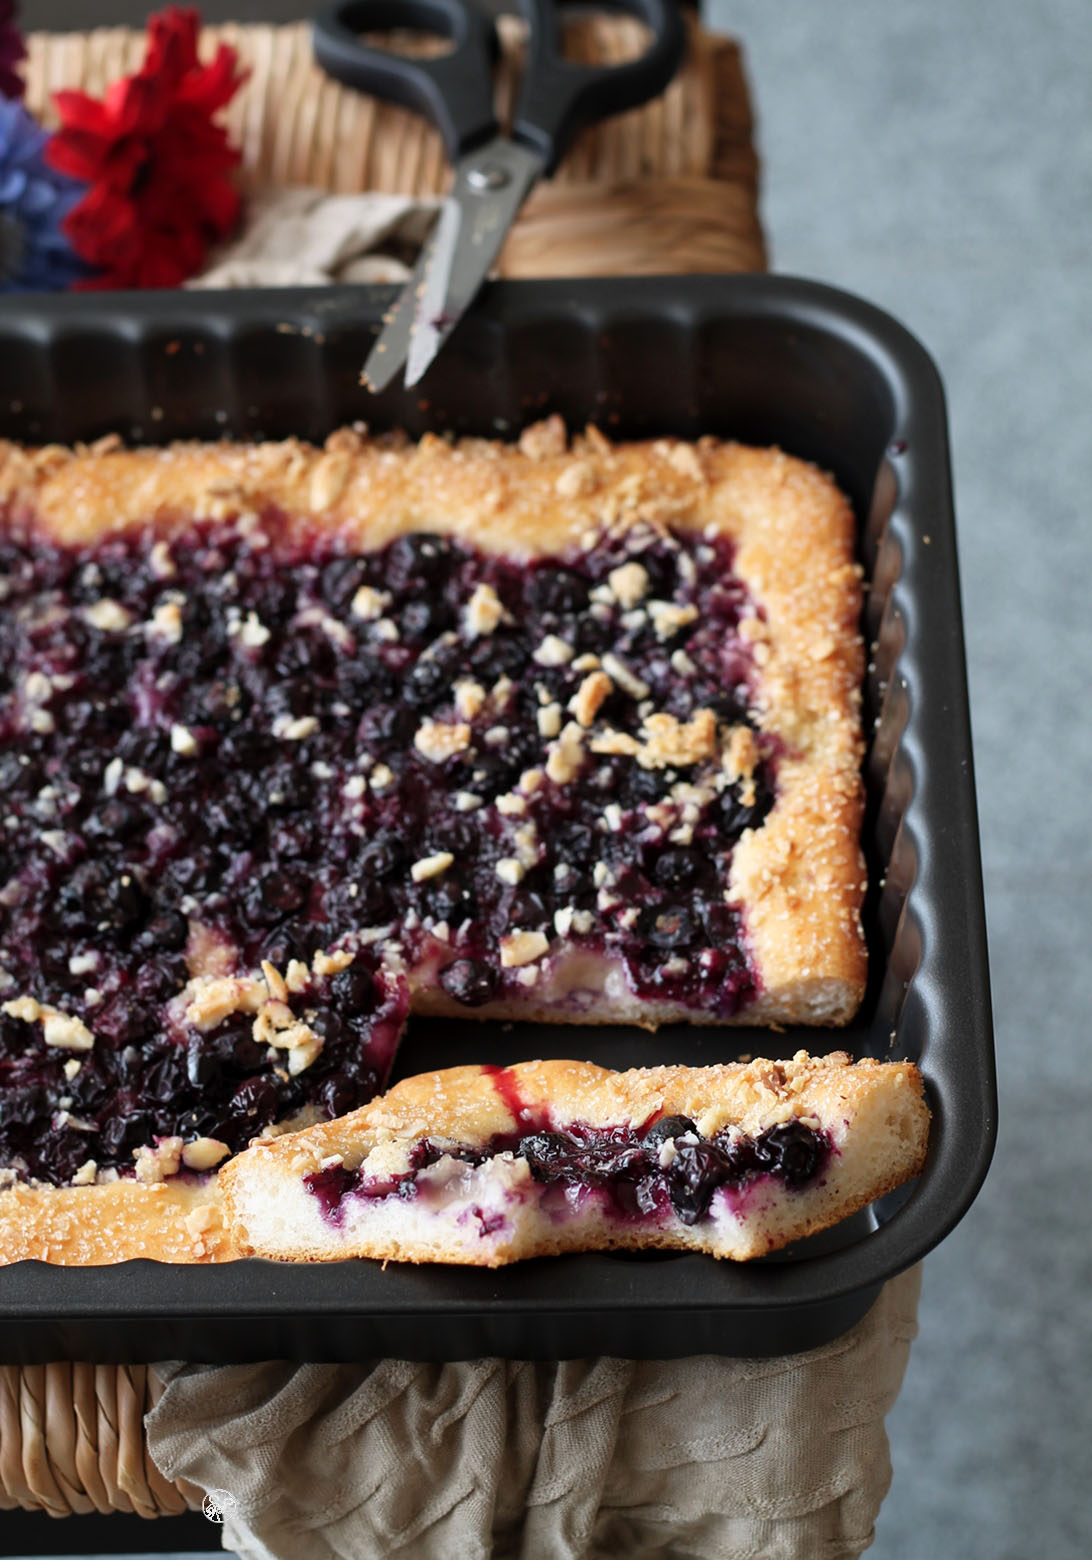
391,347
490,187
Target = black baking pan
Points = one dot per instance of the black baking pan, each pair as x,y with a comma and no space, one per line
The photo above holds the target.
767,360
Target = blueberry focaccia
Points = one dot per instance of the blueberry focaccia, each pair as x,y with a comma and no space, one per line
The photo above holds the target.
292,739
488,1165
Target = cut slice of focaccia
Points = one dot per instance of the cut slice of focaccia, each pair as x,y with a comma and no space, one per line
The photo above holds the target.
485,1165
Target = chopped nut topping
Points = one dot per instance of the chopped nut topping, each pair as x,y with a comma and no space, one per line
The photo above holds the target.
369,603
510,871
431,866
628,681
183,741
549,720
437,742
214,998
483,611
629,582
511,804
252,632
588,698
58,1029
381,777
166,621
274,981
670,742
740,753
566,754
668,617
554,651
85,1175
331,963
162,564
466,801
576,480
204,1153
329,480
469,699
522,948
201,1219
295,728
543,439
108,616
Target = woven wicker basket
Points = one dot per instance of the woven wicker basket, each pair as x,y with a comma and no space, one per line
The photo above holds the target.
671,187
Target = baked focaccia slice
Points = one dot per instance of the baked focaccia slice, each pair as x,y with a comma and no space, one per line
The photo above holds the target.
485,1166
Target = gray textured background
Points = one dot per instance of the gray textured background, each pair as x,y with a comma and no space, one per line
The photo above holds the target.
937,159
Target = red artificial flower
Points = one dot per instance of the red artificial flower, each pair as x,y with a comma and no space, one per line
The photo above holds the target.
157,166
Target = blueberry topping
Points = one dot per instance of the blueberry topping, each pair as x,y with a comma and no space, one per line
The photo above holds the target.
470,981
237,767
669,1127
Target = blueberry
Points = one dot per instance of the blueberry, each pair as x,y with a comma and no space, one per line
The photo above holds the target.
693,1176
201,1064
341,579
386,725
167,932
470,981
573,843
669,1127
340,1094
667,926
677,868
284,891
551,1155
419,556
354,989
256,1101
424,619
735,815
792,1151
123,1132
555,590
114,820
428,684
366,680
384,857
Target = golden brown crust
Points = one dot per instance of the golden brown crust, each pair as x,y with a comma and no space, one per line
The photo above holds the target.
87,1226
873,1112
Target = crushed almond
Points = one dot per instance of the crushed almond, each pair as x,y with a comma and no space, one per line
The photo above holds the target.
588,699
438,742
629,583
431,866
521,948
483,611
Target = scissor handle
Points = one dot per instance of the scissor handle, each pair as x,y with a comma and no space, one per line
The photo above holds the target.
453,90
559,97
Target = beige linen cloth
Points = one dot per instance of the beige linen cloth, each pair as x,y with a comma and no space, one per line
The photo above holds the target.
307,238
605,1459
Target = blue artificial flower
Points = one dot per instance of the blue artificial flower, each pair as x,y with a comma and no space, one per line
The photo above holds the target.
35,255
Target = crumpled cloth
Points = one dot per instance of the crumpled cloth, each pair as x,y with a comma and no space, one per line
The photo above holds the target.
308,238
604,1459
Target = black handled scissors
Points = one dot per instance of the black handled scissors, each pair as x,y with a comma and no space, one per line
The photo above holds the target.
494,173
